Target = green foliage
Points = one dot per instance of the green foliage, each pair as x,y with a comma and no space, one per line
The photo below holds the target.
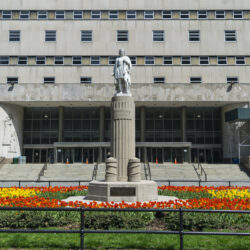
185,195
35,219
109,220
62,195
199,221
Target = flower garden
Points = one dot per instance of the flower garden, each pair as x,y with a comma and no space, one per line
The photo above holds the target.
227,198
212,198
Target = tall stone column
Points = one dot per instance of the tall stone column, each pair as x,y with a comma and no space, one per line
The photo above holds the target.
101,130
123,133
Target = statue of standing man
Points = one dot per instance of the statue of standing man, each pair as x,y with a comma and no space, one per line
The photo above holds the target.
122,70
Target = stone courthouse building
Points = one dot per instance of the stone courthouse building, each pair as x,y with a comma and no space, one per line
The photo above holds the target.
191,64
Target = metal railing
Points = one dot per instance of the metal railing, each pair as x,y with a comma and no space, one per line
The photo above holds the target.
23,183
147,170
95,170
45,166
201,172
83,232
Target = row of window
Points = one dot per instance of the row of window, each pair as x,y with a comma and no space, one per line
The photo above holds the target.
135,60
129,14
123,36
156,80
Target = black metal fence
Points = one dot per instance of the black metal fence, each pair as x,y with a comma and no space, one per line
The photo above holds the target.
83,232
23,183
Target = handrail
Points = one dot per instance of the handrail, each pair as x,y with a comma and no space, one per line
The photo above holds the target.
45,166
202,171
96,165
147,170
169,182
82,231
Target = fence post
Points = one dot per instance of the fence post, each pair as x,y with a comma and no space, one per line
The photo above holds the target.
49,183
168,183
229,183
199,183
82,228
181,228
19,184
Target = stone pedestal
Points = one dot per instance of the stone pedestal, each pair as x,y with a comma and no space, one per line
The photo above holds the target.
122,133
123,191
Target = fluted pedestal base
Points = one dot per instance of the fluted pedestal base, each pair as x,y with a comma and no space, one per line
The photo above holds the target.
123,191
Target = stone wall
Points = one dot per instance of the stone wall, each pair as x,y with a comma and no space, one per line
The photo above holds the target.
11,130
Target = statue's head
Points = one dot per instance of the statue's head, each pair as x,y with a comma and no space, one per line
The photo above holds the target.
122,52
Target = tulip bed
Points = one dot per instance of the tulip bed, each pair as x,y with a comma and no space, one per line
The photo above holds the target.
225,198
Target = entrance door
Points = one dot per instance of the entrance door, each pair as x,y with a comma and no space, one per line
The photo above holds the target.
167,155
44,155
36,156
78,155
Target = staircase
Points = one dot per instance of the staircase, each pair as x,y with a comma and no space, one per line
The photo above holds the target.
72,172
27,172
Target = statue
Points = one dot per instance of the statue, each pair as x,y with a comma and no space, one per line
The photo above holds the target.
121,73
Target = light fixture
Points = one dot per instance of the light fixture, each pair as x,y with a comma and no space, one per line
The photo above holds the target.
46,116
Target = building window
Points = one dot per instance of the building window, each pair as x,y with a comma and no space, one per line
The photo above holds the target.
133,60
4,60
42,15
58,60
40,60
77,60
167,14
77,14
240,60
50,36
222,60
232,80
6,14
95,60
159,80
195,80
203,125
41,126
95,14
202,14
59,14
48,80
14,35
238,14
204,60
86,80
113,14
168,60
12,80
184,14
194,35
230,36
24,14
122,36
112,60
158,35
185,60
219,14
149,60
22,60
86,35
131,14
149,14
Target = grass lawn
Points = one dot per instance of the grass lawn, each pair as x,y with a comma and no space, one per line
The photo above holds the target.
122,241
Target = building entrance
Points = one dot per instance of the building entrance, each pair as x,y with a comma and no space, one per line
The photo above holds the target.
39,155
161,155
78,154
206,155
